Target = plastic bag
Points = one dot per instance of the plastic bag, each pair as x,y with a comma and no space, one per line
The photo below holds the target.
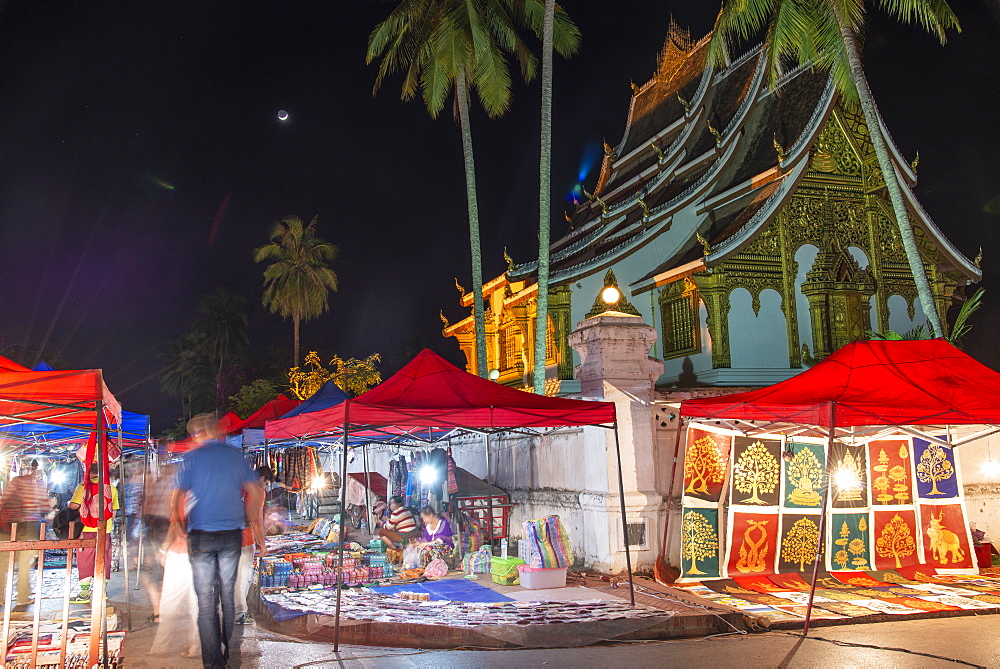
436,569
411,556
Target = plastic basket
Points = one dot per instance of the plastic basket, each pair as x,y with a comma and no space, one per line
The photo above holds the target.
504,570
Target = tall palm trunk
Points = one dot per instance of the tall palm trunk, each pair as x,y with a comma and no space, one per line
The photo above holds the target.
544,202
888,172
462,92
295,327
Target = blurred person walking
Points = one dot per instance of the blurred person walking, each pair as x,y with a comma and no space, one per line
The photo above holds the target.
155,524
86,558
222,496
24,502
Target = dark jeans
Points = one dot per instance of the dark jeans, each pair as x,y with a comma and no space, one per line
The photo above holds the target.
214,558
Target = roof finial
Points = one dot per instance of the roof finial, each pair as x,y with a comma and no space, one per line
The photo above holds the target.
595,196
635,87
608,150
645,208
978,259
461,291
510,261
705,246
715,133
444,320
915,162
780,150
684,103
659,152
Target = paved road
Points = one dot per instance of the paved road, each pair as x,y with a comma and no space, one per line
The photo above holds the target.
967,641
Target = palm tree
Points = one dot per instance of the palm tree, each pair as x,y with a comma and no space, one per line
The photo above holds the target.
186,374
827,34
223,328
567,47
223,325
446,47
297,284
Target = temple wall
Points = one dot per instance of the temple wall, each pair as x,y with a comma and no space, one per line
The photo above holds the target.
982,484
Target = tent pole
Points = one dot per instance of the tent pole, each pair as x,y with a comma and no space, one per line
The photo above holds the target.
98,616
621,498
121,477
343,530
142,510
670,487
489,493
368,491
821,540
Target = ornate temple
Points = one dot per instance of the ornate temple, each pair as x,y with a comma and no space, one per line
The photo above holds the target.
748,223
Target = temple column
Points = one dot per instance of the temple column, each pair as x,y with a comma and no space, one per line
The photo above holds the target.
616,367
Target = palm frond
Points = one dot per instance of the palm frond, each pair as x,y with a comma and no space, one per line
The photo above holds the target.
962,326
934,16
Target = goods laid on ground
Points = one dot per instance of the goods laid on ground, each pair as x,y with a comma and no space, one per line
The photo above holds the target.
50,641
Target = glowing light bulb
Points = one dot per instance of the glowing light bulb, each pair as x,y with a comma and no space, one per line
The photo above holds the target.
846,479
494,374
428,475
991,468
58,477
318,483
610,295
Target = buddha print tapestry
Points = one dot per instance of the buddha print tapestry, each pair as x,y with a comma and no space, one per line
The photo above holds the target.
755,506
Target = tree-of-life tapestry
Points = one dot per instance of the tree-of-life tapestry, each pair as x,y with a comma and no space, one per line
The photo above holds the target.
894,503
706,461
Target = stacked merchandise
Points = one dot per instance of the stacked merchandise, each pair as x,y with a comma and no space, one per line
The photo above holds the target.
50,641
548,554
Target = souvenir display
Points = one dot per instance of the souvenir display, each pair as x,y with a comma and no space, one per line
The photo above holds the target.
891,503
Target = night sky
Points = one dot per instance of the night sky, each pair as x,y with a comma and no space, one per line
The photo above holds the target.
141,161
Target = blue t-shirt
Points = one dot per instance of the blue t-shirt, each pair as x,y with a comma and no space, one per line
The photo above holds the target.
214,476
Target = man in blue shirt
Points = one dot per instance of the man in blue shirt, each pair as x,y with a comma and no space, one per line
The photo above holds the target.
219,495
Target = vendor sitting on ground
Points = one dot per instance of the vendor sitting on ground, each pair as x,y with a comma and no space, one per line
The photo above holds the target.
400,526
436,527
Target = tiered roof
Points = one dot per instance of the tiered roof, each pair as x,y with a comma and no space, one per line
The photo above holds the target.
720,151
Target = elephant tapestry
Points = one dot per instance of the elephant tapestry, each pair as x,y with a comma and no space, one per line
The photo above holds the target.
945,535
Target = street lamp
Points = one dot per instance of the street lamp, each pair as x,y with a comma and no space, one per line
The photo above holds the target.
611,295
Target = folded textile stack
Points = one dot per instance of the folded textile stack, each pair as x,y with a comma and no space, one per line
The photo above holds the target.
548,544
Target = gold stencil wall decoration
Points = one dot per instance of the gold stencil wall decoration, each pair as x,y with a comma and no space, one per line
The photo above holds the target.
753,550
705,461
851,544
756,472
800,543
890,475
848,476
700,543
934,467
895,540
804,476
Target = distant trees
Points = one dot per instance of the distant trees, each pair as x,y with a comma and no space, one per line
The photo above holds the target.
298,281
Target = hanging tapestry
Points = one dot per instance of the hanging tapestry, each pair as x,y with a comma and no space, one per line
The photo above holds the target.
804,475
895,535
945,536
706,459
753,544
799,541
890,472
700,543
849,476
756,471
850,541
936,471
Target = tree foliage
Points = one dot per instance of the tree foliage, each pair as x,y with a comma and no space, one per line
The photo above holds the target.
354,376
298,280
252,396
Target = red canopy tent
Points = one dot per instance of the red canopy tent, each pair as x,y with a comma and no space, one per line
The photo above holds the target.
429,392
65,397
867,384
872,383
232,423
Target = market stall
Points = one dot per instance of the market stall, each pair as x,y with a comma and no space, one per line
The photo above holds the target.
430,393
78,399
846,471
